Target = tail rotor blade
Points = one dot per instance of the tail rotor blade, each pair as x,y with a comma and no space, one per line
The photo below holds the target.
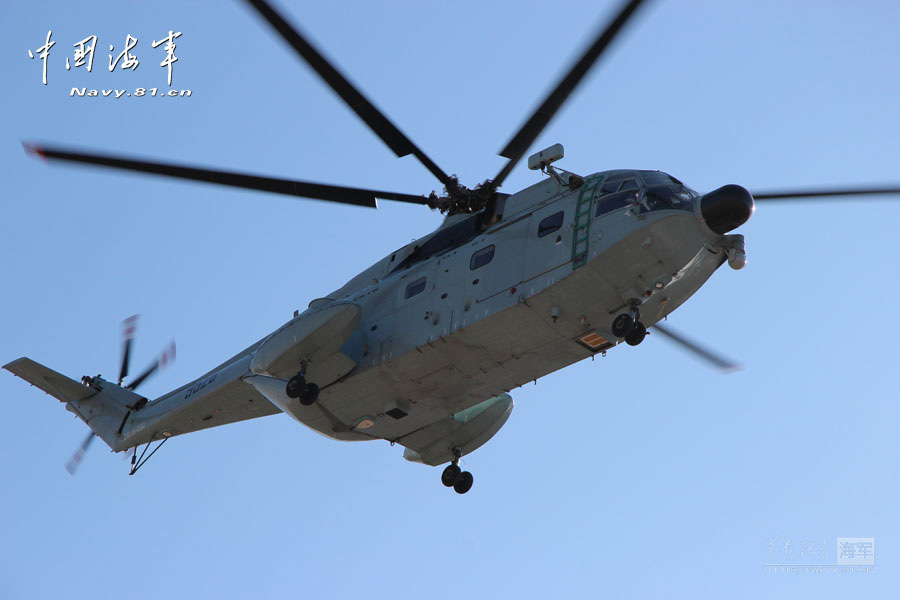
164,359
147,373
720,363
73,463
129,326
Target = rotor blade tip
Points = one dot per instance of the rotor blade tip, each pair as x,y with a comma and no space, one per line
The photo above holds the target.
129,326
169,355
34,150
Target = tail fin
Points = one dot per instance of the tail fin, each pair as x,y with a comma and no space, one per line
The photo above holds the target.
103,405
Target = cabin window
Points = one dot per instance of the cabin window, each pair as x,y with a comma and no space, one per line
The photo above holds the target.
415,288
482,257
550,224
631,184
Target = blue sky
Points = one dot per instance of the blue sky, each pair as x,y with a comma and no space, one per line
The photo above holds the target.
641,474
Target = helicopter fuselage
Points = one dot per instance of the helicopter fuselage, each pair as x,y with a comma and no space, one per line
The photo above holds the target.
531,294
470,312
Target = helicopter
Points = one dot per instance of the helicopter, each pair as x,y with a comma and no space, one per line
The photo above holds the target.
508,289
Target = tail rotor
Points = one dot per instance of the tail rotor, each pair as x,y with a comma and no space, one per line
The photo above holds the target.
165,358
129,326
73,463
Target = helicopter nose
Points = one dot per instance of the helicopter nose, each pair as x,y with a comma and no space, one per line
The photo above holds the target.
726,208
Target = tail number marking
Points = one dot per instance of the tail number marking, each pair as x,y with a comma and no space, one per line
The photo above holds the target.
196,388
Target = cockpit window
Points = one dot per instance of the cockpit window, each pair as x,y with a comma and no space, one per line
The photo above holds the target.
610,202
645,190
657,178
550,224
609,187
661,197
621,175
617,182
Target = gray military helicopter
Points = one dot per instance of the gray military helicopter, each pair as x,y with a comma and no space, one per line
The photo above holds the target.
423,347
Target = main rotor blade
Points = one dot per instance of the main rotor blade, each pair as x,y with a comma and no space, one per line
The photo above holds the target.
303,189
374,118
167,356
825,193
698,350
128,328
523,139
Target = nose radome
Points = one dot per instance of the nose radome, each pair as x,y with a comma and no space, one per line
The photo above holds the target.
726,208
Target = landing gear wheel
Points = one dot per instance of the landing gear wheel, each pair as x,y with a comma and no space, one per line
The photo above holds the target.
451,475
636,335
309,394
622,325
295,386
465,483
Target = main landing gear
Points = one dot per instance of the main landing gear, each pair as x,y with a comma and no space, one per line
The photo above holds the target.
297,387
461,481
629,326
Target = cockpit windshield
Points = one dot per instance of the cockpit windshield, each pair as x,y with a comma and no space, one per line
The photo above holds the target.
657,178
662,197
662,191
645,190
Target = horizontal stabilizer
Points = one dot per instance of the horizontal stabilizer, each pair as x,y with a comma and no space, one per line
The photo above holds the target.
56,384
